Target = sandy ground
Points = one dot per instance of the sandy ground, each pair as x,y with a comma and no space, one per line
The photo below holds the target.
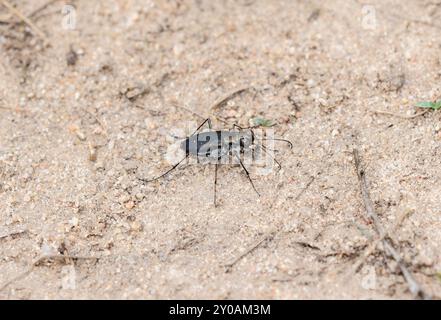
125,77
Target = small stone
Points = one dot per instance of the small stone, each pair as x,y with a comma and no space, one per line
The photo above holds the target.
92,152
136,226
100,165
130,165
71,57
124,198
323,102
74,221
130,205
231,113
78,132
178,49
150,124
47,250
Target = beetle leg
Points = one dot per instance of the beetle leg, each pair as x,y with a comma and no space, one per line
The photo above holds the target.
164,174
248,174
216,166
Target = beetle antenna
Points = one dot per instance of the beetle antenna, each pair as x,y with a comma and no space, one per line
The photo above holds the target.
265,149
282,140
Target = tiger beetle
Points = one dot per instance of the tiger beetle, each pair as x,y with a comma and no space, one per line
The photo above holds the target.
219,146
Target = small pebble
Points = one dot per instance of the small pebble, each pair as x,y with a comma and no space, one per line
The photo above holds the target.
139,196
71,57
74,221
136,226
130,205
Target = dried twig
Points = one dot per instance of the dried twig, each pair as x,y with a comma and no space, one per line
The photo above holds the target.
416,21
373,246
38,261
222,101
389,14
219,103
268,237
305,188
17,109
399,115
175,104
414,287
92,152
12,234
25,19
41,8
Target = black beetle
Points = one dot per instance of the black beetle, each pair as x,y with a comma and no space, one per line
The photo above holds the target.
218,147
